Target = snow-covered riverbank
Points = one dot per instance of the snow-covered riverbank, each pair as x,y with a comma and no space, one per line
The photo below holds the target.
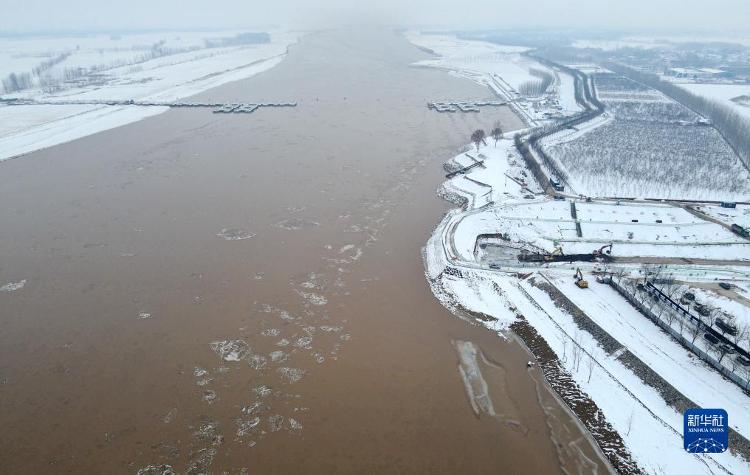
601,374
166,66
511,74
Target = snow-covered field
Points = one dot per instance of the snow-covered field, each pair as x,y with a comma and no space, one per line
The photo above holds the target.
652,147
545,224
737,96
739,215
158,66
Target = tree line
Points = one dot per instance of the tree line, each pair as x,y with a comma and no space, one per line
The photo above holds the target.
536,88
733,126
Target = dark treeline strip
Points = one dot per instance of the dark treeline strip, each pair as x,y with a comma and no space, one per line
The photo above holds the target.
732,126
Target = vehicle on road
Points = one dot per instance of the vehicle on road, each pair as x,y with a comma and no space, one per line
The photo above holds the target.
711,338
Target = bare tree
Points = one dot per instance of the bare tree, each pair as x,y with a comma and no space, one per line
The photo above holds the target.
710,318
694,330
497,133
741,334
630,423
620,273
478,138
721,351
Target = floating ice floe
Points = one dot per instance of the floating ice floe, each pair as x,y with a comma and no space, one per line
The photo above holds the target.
13,286
163,469
235,234
303,342
330,329
314,299
271,332
262,391
231,350
209,395
278,356
245,427
275,422
257,362
202,461
283,342
295,224
253,408
286,316
143,315
319,358
169,417
294,424
291,375
198,372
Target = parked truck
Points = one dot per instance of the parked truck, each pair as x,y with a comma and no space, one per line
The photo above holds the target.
737,229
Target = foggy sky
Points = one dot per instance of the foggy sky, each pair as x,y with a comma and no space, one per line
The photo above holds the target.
727,16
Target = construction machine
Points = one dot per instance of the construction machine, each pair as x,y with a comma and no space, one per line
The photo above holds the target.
600,252
580,281
553,255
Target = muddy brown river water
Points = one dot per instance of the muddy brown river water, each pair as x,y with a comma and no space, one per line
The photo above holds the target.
245,293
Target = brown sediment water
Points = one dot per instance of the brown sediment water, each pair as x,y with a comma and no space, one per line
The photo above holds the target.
290,240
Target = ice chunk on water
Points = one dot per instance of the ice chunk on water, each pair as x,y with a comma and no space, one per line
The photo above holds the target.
295,224
163,469
294,424
245,427
198,372
271,332
231,350
169,417
275,422
257,362
235,234
253,408
209,395
278,356
291,375
13,286
313,298
303,342
262,391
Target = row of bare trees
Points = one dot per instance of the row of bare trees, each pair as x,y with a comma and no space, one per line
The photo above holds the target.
536,88
479,136
689,329
731,124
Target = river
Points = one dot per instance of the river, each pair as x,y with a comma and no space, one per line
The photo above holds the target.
294,233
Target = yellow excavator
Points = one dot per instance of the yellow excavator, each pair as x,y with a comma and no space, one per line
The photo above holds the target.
580,281
552,256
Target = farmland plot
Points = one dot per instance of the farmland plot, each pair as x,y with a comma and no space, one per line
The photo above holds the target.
652,147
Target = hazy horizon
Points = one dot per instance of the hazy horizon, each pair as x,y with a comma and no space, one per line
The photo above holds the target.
725,17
